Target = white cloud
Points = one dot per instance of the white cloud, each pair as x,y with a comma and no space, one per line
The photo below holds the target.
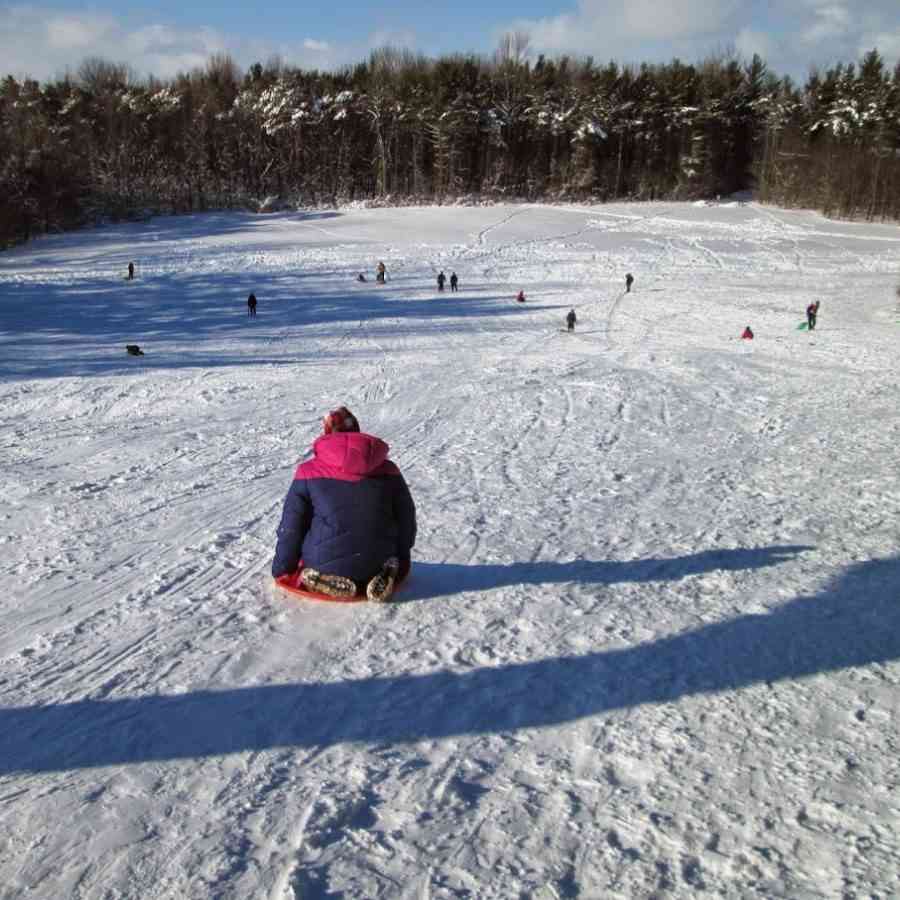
830,22
40,42
790,35
161,39
749,41
165,51
672,19
392,37
558,34
609,28
69,33
887,42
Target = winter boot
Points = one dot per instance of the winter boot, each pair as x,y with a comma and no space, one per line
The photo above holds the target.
381,586
323,583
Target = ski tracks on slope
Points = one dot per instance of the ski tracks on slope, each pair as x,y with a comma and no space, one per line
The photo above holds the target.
481,239
613,803
479,247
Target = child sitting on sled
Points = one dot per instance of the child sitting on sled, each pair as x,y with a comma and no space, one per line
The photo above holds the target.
348,515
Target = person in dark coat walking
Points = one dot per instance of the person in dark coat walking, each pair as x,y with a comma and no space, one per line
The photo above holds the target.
131,271
812,311
454,282
571,319
251,305
441,279
629,281
348,515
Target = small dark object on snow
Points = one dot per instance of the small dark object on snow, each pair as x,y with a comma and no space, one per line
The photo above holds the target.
629,281
454,282
571,319
748,334
520,298
251,305
134,350
361,277
131,271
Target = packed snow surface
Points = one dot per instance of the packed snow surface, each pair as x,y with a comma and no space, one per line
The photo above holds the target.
650,645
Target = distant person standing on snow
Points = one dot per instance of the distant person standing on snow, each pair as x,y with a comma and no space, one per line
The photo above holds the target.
380,273
571,319
441,279
131,271
454,281
747,334
251,305
520,297
811,312
629,281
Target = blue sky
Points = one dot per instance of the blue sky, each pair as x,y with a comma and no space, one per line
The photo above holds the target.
166,37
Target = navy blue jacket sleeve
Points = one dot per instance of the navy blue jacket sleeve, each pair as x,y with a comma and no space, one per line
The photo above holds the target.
405,514
296,518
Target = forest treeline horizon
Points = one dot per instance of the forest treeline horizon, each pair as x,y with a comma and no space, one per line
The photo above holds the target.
103,145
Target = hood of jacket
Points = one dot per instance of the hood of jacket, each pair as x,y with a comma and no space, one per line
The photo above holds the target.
351,451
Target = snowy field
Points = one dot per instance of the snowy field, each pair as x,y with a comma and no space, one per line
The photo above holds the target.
651,646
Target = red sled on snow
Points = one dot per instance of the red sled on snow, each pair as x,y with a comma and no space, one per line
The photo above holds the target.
290,584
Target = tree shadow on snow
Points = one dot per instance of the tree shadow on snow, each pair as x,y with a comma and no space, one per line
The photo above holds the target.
118,243
184,319
433,580
855,621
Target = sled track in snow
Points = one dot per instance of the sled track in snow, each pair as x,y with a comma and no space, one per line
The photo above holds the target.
481,239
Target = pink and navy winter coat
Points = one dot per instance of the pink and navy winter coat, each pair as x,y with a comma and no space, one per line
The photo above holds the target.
347,510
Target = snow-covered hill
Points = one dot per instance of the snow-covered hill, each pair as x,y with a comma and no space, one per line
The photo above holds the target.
650,646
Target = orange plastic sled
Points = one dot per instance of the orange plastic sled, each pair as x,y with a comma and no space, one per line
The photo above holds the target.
290,584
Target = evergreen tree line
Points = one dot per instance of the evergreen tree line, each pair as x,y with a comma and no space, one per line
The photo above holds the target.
400,127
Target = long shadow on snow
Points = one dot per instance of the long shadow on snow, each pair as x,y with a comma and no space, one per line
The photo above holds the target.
433,580
53,330
853,622
140,236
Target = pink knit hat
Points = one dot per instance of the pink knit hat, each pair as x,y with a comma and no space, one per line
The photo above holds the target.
340,419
